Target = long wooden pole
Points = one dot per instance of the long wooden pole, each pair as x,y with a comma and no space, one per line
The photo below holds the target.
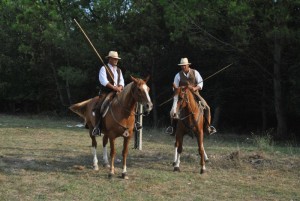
201,81
112,77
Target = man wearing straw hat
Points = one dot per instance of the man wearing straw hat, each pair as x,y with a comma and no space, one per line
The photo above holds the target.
111,82
192,78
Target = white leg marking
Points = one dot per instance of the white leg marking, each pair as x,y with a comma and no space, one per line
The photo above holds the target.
95,159
105,158
174,106
177,161
124,169
205,156
175,155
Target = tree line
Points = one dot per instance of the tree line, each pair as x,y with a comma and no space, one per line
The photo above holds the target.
46,64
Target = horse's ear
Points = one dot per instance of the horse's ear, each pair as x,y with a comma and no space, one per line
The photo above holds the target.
147,78
133,78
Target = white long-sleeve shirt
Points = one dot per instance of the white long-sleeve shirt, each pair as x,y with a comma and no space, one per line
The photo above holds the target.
103,77
198,78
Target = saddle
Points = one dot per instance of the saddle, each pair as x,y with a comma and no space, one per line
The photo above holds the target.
106,103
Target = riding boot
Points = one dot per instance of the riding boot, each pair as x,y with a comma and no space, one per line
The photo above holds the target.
211,130
138,126
97,113
207,120
208,129
97,128
172,128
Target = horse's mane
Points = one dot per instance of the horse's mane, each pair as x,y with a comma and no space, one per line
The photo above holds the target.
125,91
191,95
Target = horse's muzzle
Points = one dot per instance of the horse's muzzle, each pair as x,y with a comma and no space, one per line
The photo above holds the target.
175,116
148,106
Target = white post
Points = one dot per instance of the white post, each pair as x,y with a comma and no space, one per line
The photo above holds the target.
140,132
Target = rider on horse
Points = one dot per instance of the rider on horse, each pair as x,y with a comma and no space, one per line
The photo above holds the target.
111,81
191,78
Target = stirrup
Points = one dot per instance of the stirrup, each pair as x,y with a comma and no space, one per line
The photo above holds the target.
169,130
138,126
96,132
211,130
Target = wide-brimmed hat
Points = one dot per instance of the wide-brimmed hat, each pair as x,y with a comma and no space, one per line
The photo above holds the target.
113,54
184,61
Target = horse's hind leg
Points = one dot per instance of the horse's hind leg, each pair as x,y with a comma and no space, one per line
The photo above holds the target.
178,151
105,158
94,147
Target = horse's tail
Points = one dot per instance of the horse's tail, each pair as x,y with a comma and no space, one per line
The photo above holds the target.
80,108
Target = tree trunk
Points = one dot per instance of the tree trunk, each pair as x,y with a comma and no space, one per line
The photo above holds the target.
278,95
263,109
153,96
57,85
68,92
216,116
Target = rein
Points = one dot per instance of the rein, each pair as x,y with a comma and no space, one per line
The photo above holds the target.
131,113
112,114
190,114
127,110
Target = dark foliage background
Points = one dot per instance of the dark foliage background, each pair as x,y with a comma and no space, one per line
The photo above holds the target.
46,64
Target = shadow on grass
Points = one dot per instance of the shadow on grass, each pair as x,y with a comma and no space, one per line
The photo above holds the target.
38,160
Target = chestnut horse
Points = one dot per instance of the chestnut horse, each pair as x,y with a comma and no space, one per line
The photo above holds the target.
190,119
118,121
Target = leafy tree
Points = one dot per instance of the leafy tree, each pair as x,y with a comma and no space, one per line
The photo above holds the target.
253,33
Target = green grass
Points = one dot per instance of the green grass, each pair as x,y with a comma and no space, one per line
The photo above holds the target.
39,156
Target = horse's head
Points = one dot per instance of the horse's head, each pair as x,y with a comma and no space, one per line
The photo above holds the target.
140,93
180,101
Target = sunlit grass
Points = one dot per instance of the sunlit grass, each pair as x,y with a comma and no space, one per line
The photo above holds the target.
39,157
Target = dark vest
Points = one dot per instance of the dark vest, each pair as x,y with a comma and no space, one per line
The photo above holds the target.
184,81
110,79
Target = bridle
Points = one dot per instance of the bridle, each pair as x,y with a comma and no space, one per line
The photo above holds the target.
139,97
186,100
131,113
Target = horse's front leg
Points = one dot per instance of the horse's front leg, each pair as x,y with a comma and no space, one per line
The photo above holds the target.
124,154
178,151
94,147
112,156
201,151
205,155
105,158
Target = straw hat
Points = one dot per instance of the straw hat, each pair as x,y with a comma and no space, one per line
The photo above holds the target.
184,61
113,54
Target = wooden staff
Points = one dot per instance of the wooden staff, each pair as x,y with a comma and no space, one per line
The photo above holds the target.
112,77
201,81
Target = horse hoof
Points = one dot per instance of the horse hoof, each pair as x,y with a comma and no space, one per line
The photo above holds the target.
176,169
124,176
110,175
202,171
106,165
96,167
174,164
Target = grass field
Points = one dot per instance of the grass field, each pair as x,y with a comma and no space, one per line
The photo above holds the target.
46,158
